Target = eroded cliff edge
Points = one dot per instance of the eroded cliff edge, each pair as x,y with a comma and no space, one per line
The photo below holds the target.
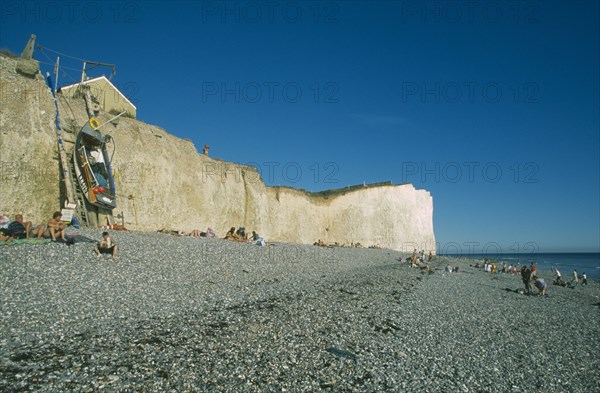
176,187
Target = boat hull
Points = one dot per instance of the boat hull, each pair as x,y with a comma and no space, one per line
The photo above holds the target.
92,167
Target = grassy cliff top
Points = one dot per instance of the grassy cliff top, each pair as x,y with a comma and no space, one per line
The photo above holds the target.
326,194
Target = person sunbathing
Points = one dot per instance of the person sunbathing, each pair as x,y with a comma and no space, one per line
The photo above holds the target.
55,228
173,232
21,230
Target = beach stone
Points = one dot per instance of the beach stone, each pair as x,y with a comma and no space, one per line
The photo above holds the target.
71,322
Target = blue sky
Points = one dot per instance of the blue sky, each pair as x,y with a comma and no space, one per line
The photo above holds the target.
491,106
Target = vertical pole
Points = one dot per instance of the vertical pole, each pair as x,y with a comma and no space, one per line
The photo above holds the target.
135,211
56,74
61,147
83,72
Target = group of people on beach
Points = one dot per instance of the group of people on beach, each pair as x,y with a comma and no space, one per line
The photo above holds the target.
418,258
574,281
240,235
193,233
19,229
529,276
54,230
321,243
491,267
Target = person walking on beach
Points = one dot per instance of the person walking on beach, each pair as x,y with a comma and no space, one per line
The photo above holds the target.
575,278
526,277
584,279
559,280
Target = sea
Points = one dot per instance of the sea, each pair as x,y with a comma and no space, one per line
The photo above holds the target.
588,262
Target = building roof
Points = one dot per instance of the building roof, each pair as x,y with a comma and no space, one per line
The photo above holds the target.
96,79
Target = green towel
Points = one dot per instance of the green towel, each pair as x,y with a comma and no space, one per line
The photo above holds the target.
25,241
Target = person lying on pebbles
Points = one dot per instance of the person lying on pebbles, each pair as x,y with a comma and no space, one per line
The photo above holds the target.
20,229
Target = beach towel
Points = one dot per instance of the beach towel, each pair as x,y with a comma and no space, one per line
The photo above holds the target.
25,241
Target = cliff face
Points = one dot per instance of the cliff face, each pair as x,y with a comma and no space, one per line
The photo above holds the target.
29,181
173,186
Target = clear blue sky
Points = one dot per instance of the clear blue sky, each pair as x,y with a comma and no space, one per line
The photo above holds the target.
491,106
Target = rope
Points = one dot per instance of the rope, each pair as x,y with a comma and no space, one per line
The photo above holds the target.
65,75
52,63
59,53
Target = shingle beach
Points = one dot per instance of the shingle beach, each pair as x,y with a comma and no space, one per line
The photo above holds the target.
182,314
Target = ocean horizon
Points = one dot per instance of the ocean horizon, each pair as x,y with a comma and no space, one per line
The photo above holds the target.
565,262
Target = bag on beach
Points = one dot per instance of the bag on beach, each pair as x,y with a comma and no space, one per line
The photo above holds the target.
4,221
210,232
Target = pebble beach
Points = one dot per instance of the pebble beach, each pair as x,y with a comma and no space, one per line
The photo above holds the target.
180,314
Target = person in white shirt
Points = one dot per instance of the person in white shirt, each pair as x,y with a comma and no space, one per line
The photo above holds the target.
106,246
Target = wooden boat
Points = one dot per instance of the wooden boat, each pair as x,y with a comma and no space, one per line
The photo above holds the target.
92,166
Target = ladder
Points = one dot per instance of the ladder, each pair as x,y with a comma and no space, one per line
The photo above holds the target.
81,209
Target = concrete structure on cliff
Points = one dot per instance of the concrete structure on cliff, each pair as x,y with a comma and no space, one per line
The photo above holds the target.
209,193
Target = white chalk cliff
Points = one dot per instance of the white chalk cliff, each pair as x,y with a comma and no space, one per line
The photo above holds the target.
176,187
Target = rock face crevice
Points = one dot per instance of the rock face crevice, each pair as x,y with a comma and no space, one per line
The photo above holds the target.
164,182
